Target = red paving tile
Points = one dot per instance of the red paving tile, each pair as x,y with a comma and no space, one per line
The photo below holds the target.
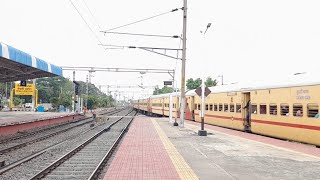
141,155
302,148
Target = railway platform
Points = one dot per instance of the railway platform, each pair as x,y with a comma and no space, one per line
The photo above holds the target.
155,149
12,122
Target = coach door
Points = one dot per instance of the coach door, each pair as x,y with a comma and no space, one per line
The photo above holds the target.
178,107
246,111
162,105
191,105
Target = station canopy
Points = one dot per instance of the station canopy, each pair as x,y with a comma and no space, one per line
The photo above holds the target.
16,65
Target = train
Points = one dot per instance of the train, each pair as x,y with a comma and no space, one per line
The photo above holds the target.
286,111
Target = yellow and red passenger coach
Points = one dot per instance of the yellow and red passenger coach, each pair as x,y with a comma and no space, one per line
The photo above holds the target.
286,111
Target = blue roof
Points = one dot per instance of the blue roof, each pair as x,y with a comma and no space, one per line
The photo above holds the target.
26,60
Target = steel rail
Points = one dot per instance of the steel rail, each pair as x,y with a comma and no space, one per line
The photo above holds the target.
36,154
45,129
95,174
68,155
43,137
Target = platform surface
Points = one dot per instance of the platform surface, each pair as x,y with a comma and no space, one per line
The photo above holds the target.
230,154
154,149
17,117
143,154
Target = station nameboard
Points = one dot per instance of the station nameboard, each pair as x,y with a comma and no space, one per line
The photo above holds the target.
166,83
27,90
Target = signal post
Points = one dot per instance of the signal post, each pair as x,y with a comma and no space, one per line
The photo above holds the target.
203,92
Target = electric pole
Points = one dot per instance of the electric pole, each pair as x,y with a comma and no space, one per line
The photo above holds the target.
87,93
74,91
183,69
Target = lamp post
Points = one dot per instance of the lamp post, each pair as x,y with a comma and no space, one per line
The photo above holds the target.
203,132
299,73
221,79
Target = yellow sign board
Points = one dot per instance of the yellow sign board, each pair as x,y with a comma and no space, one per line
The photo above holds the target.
24,90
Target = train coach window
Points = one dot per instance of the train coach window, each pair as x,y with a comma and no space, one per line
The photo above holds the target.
263,109
226,108
231,107
211,107
215,107
207,107
297,110
199,107
254,109
238,108
220,107
313,110
284,109
273,109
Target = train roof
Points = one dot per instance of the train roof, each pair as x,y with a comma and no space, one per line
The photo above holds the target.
248,87
244,88
174,94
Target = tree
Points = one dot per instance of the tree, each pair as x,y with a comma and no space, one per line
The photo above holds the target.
163,90
52,87
17,101
54,101
105,101
65,100
59,91
193,84
156,90
2,89
92,102
210,82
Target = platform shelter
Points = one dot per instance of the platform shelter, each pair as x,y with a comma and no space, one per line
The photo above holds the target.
16,65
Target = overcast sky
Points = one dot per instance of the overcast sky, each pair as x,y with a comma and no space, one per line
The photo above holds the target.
249,40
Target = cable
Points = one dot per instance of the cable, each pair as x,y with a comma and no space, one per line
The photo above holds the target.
141,47
94,18
153,35
175,68
85,21
173,10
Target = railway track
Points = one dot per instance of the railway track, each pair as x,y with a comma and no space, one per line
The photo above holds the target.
17,145
24,135
89,158
40,152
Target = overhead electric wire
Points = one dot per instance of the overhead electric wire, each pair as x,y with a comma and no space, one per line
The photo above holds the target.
152,35
132,47
175,68
173,10
85,21
94,18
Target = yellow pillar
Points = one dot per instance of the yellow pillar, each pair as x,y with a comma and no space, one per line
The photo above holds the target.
11,98
36,99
